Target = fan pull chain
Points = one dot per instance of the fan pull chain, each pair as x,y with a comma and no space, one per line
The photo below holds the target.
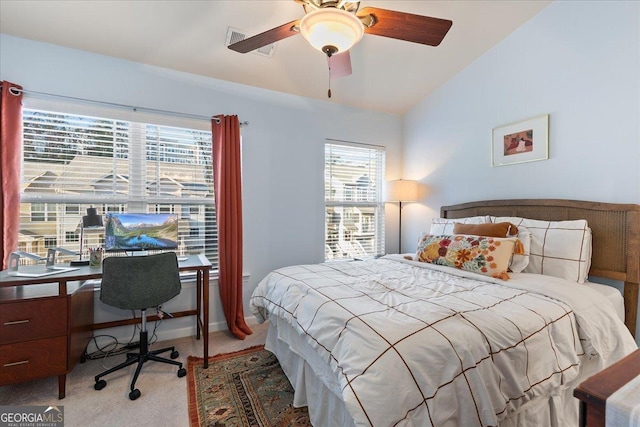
329,91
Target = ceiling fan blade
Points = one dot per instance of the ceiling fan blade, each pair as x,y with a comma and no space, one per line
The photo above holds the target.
405,26
339,65
270,36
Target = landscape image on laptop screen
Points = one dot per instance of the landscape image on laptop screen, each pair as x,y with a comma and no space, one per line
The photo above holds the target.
140,231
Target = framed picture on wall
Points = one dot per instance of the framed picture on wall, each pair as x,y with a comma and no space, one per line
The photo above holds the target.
519,142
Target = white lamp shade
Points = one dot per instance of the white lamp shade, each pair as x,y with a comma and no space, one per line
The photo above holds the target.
402,190
331,27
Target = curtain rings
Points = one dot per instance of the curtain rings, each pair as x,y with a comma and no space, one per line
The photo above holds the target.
14,91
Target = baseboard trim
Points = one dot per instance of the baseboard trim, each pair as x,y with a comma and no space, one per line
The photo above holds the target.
165,334
190,331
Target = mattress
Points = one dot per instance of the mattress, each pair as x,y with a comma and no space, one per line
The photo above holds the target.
613,295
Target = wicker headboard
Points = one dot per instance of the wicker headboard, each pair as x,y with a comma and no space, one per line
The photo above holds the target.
615,228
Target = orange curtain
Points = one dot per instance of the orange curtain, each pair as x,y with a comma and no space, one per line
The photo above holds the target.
227,178
10,153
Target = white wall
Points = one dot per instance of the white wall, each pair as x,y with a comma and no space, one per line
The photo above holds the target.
283,146
579,62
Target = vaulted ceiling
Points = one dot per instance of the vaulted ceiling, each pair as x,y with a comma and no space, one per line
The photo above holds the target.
388,75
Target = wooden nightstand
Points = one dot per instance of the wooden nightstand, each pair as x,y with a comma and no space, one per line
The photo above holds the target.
595,390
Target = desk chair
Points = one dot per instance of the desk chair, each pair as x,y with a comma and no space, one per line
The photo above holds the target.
139,283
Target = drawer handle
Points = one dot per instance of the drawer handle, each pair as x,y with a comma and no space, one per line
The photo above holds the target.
22,362
16,322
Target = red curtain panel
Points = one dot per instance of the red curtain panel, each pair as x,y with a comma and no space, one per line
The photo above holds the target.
228,195
10,152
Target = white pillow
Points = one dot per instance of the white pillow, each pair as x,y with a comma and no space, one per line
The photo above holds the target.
444,226
558,248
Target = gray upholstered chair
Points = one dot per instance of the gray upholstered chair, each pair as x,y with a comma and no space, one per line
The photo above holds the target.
139,283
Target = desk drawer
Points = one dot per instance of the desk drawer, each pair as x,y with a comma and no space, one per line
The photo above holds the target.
33,359
33,319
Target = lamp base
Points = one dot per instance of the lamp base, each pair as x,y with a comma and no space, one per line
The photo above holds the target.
79,263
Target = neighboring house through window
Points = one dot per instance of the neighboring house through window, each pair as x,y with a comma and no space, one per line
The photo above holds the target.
73,161
354,209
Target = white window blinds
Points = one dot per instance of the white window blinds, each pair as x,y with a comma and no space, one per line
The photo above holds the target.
71,162
354,209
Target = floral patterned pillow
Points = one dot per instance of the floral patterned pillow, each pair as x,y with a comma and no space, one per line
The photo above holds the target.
485,255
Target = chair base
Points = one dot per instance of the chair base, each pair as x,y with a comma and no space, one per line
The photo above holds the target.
141,358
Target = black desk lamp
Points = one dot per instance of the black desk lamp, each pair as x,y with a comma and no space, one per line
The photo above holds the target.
90,220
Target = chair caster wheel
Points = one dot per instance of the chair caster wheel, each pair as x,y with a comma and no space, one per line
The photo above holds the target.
174,354
134,394
99,385
182,372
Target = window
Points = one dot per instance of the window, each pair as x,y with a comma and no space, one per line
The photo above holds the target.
72,162
354,209
41,212
71,209
37,212
50,242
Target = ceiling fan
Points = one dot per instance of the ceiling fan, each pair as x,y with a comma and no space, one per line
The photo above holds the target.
334,26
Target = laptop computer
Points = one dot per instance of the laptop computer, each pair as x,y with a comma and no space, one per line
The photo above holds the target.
14,264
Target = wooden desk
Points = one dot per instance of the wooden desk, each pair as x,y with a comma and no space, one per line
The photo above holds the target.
594,391
46,322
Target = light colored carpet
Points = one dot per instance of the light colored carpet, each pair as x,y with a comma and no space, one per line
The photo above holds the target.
163,400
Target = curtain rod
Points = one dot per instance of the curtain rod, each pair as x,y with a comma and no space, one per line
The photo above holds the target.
113,104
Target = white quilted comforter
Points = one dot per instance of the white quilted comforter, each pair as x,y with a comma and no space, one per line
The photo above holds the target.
416,344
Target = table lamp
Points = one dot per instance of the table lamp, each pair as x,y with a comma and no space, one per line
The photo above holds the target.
401,190
90,220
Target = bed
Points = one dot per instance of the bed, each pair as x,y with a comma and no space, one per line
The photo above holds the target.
396,341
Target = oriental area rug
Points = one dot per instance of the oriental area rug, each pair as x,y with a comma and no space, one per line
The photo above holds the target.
241,389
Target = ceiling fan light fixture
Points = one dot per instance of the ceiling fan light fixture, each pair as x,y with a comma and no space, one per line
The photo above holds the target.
330,29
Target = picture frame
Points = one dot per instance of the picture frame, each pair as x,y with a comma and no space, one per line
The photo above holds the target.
520,142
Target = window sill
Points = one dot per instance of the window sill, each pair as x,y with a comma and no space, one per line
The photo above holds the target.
188,279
